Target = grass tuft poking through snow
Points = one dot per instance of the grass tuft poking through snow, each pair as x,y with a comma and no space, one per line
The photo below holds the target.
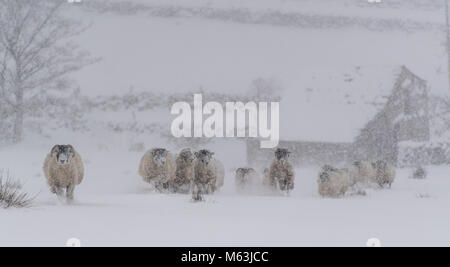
11,194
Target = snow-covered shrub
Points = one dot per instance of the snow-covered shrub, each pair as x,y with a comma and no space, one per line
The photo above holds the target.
423,195
11,194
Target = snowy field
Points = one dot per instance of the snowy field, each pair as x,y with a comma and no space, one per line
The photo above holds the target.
180,54
114,207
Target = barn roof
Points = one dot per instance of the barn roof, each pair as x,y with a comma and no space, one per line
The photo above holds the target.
334,104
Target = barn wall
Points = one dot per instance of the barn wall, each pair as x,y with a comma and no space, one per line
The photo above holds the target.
403,118
303,153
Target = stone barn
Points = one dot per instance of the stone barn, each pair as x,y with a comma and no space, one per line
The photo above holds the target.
350,114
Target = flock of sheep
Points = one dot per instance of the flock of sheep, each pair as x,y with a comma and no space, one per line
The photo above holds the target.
198,172
335,182
201,173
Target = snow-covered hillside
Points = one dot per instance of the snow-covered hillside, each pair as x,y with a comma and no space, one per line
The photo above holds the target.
152,53
184,53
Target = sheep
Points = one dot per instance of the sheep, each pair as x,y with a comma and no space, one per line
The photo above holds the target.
208,173
385,173
247,179
333,182
157,167
184,175
362,172
419,173
281,172
64,170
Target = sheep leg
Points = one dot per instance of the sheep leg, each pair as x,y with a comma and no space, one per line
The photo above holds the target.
212,188
273,181
53,189
283,185
58,191
201,188
197,193
205,189
69,192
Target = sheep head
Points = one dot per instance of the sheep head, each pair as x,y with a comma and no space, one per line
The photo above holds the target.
187,155
244,171
282,154
204,156
63,154
160,156
381,165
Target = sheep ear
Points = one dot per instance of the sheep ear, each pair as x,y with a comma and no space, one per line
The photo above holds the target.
55,148
72,150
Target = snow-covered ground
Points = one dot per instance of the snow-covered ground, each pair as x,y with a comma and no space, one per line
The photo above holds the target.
114,207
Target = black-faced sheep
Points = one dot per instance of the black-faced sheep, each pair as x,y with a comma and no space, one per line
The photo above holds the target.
281,172
184,175
209,173
333,182
362,172
157,167
63,169
385,173
247,180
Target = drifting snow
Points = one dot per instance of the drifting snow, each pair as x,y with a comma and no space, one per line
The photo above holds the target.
113,207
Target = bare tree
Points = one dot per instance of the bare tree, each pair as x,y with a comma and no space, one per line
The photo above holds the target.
36,54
